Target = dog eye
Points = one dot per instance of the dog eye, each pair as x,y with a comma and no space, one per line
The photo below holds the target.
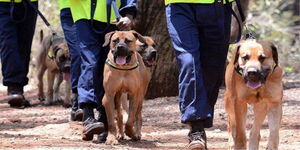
127,41
62,58
143,46
245,58
116,40
154,45
262,58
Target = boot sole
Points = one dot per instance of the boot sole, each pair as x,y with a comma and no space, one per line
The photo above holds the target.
89,133
197,145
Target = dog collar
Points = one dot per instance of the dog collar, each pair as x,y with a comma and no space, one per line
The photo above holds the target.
50,55
109,63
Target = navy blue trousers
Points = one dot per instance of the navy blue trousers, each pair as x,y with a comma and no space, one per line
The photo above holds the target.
200,38
16,34
69,29
93,56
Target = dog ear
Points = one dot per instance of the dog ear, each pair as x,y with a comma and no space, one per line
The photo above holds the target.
138,36
274,53
237,53
107,38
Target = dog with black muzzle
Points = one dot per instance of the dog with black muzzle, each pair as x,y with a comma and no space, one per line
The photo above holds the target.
253,77
123,73
148,53
54,57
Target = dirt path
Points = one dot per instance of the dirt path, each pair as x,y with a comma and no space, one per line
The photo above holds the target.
41,127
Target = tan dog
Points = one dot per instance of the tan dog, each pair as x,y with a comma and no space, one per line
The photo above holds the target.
149,54
253,77
54,56
123,73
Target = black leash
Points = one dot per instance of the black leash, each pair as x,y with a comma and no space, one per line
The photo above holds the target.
25,3
243,18
250,34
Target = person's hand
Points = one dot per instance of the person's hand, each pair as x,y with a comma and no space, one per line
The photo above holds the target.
125,23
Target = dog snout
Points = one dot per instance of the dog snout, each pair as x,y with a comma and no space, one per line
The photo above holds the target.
66,67
252,73
121,50
153,54
121,47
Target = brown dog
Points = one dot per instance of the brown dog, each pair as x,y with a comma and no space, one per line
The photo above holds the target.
253,77
54,56
149,55
123,73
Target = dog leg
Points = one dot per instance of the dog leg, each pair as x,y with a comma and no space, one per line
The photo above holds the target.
119,117
139,120
274,120
124,102
49,98
67,100
260,111
58,80
237,113
40,74
231,123
109,104
240,141
133,106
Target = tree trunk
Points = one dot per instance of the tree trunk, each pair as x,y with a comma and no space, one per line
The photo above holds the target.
151,21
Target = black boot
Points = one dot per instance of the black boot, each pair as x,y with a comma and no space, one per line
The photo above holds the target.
91,125
76,112
102,118
197,136
15,96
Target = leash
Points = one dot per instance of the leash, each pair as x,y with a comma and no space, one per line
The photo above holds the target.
109,63
243,18
109,3
250,34
24,2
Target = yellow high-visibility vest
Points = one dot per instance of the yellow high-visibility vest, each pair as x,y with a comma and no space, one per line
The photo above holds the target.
81,9
193,1
17,1
63,4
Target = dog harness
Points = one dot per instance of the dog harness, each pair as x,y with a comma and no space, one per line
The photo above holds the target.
109,63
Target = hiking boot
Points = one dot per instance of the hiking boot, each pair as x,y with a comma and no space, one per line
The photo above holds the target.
91,127
197,140
77,115
102,137
76,112
15,97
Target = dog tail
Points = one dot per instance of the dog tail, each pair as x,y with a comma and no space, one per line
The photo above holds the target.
41,36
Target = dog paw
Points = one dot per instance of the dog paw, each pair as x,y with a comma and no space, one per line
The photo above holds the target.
136,138
67,105
130,133
48,103
120,136
111,140
41,98
58,100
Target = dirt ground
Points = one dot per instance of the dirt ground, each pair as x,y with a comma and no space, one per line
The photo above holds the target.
40,127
